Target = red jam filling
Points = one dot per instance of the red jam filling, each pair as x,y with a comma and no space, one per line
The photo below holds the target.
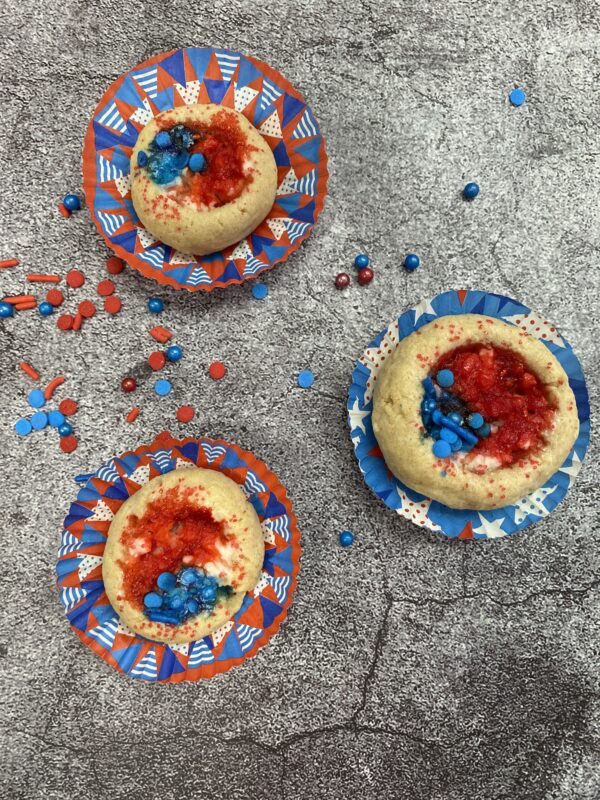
225,148
498,384
171,528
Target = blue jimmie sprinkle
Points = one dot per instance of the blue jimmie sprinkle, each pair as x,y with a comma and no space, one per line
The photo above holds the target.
83,477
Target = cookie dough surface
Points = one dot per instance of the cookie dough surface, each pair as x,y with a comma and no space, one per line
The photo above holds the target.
184,212
466,480
235,544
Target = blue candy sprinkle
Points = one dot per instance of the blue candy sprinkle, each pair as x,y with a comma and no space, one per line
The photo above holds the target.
441,449
209,593
464,434
162,388
435,432
470,191
36,398
455,417
142,159
163,616
411,261
475,420
174,353
448,436
6,310
457,445
484,431
192,606
197,162
163,140
189,576
180,161
430,404
176,601
445,378
153,600
56,418
46,309
83,477
155,305
260,291
306,379
39,420
23,426
346,538
71,202
66,429
517,97
166,581
437,416
429,387
361,261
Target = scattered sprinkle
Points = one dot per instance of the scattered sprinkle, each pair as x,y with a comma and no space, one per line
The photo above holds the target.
6,310
517,97
36,278
84,477
36,398
112,304
39,420
217,370
185,413
68,443
342,280
260,291
361,261
64,322
56,418
29,371
365,276
155,305
9,262
162,388
55,297
105,288
75,278
129,384
18,298
346,538
470,191
66,429
86,308
64,211
157,360
411,261
306,379
115,265
26,305
133,415
77,320
23,426
46,309
161,334
68,407
175,353
53,386
71,202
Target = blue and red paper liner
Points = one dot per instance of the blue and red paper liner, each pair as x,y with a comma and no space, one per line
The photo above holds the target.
431,514
205,75
79,565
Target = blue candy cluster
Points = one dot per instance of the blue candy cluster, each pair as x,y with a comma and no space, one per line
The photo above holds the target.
41,419
446,418
168,155
186,594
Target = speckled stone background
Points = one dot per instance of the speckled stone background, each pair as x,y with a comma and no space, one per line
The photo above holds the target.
409,667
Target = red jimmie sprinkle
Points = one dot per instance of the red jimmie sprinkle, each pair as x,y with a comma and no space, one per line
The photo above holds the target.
64,322
53,386
30,371
36,278
112,304
161,334
25,305
55,297
18,298
75,278
86,308
133,415
9,262
105,288
68,407
68,444
157,360
217,370
63,210
77,320
185,413
114,265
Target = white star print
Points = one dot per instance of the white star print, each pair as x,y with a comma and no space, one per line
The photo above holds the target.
490,527
357,416
424,307
573,470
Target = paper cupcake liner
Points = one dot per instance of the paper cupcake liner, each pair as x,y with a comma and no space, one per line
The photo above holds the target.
79,565
421,510
205,75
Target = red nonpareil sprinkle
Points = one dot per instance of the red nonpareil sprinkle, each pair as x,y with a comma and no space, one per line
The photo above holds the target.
18,298
157,360
114,265
9,262
161,334
68,444
64,322
53,386
112,305
25,306
86,308
63,210
133,415
68,407
36,278
105,288
77,320
30,371
75,278
217,370
55,297
185,413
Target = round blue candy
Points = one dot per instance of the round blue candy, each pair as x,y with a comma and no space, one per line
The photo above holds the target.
71,202
162,388
163,140
46,309
430,404
142,158
475,420
155,305
176,601
457,445
445,378
36,398
306,379
66,429
166,581
209,593
153,600
484,431
6,310
346,538
260,291
197,162
411,261
192,606
56,418
441,449
361,261
39,420
436,416
181,159
174,353
23,426
448,436
470,191
517,97
189,576
455,417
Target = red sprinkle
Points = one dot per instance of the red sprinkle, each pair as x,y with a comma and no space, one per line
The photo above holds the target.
105,288
364,276
55,297
86,308
18,298
217,370
129,384
133,414
112,304
75,278
161,334
36,278
68,443
25,305
77,320
64,210
64,322
157,360
115,265
9,262
68,407
185,413
53,386
30,371
342,280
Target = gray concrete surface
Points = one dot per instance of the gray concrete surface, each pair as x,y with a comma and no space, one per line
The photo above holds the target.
408,667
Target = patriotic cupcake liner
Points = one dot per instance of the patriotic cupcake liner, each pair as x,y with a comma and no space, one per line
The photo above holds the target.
421,510
205,75
79,565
